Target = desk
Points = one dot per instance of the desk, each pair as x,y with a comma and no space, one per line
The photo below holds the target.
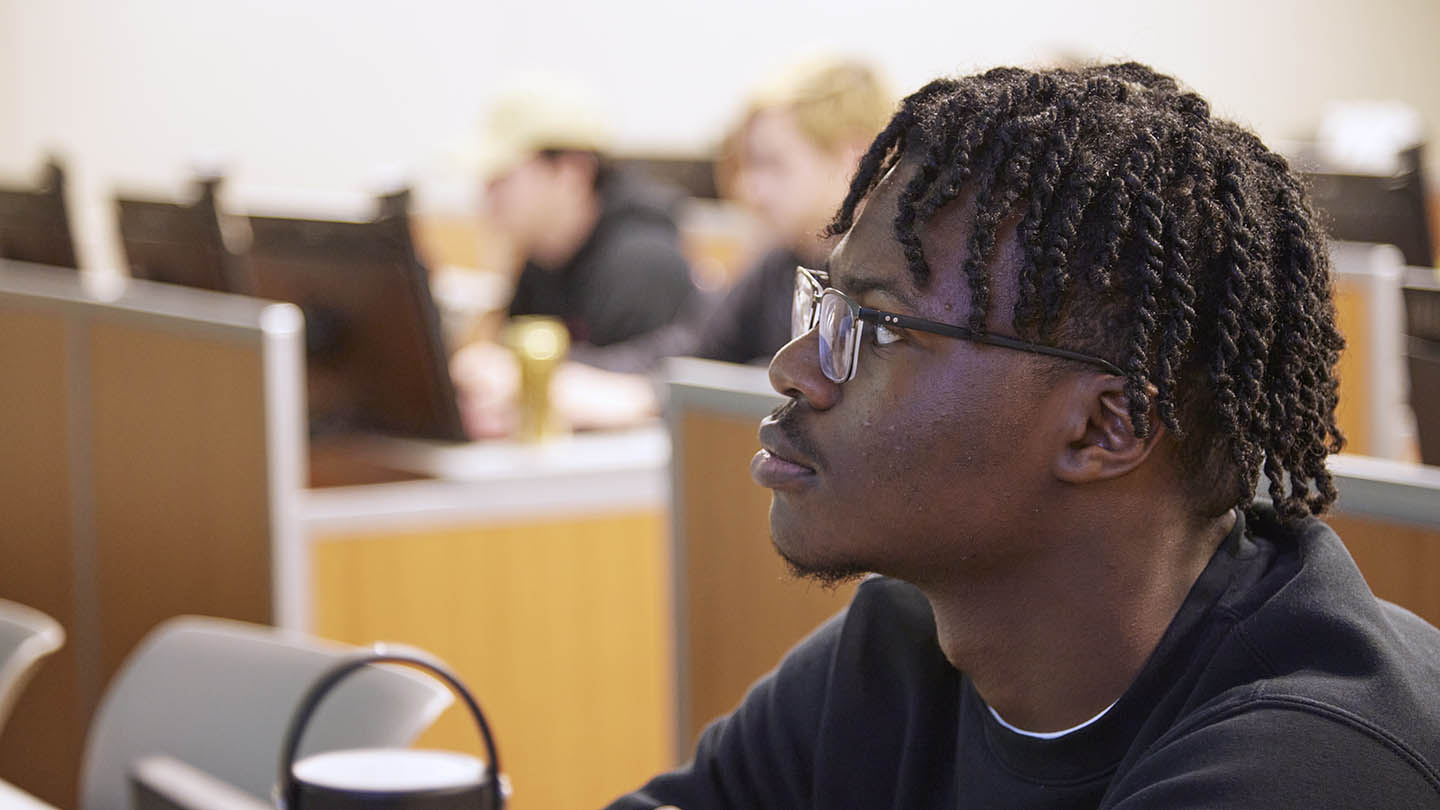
538,573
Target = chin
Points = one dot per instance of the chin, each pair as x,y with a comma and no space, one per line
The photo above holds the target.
809,559
829,577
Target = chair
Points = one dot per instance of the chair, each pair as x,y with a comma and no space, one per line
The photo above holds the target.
35,224
165,783
26,636
218,695
179,243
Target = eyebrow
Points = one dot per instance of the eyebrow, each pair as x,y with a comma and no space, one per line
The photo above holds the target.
858,284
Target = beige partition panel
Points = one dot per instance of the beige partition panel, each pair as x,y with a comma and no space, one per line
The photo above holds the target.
738,609
147,467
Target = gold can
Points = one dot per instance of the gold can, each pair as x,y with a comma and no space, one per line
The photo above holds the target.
540,344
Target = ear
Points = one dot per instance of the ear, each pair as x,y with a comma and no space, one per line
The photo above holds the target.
1099,438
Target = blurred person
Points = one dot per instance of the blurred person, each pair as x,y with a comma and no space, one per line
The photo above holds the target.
601,251
790,161
600,246
1071,320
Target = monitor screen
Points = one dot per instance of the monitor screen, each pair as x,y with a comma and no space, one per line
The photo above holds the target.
34,225
178,244
376,361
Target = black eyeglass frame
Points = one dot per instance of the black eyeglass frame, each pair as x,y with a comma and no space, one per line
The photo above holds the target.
862,314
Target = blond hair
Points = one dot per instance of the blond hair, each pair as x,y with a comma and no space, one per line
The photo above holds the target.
834,101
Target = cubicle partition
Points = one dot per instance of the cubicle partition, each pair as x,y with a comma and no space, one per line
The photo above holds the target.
150,464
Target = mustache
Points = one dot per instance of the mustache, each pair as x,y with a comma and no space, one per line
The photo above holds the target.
786,419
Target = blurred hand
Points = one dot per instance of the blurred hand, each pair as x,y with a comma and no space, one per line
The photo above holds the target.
487,386
588,398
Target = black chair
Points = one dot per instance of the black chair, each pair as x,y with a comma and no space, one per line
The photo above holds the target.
179,243
34,223
376,360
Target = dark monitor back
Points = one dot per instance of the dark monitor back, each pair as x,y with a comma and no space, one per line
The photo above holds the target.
178,244
694,175
34,224
376,361
1422,306
1422,324
1389,209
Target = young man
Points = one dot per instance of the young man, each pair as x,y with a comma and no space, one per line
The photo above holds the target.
1074,321
601,248
601,253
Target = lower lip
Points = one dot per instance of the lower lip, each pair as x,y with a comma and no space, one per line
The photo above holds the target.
775,472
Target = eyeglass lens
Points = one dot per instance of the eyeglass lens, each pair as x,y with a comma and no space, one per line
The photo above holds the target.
837,335
802,311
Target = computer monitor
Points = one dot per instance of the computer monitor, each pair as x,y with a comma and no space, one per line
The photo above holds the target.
376,361
1389,209
1422,354
693,175
34,223
177,243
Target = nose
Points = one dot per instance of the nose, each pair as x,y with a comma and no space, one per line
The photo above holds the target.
795,372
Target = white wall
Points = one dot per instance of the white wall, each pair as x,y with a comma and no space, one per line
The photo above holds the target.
9,80
331,95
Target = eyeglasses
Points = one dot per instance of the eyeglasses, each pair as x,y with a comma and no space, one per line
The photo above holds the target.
841,321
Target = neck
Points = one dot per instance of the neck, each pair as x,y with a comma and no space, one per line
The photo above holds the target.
566,233
1052,647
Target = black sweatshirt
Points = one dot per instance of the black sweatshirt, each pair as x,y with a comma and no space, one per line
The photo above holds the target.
628,278
1282,682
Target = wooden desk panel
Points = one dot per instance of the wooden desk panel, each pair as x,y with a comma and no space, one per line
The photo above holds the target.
558,626
1352,413
1400,561
36,543
741,608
